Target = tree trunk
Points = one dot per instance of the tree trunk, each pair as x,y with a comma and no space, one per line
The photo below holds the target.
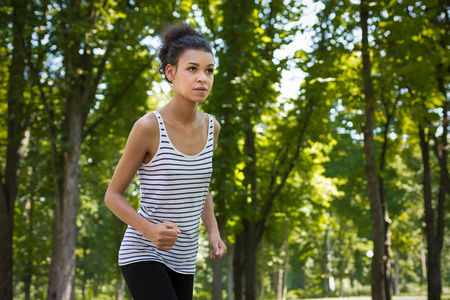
262,274
286,265
217,280
230,273
434,273
6,237
238,267
250,260
387,243
218,264
384,204
279,278
247,240
435,228
120,286
16,122
79,91
95,286
83,266
29,259
324,270
28,278
423,260
341,263
65,230
433,234
377,273
397,273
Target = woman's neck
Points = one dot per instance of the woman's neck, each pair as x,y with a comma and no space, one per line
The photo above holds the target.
184,112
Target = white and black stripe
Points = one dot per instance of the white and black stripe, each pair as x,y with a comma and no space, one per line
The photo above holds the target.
173,189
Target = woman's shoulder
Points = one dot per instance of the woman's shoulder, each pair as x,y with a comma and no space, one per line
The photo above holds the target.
147,124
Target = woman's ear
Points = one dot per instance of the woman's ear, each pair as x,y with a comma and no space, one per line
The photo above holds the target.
170,72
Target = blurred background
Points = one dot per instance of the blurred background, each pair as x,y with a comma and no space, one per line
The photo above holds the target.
331,176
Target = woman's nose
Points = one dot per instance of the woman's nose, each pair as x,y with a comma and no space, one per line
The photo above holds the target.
201,77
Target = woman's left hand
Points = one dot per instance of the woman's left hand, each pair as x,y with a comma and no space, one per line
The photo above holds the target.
218,248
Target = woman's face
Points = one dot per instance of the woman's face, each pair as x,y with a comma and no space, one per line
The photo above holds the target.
193,76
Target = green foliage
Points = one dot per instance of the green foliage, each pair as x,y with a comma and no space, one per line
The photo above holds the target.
319,224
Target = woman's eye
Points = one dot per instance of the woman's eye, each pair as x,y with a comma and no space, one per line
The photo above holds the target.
192,69
210,71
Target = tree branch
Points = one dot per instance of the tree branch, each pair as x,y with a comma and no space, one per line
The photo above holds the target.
274,193
89,131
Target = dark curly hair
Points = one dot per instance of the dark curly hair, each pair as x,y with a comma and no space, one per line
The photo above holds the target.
176,39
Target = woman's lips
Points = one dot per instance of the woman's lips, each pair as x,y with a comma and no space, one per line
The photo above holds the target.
201,90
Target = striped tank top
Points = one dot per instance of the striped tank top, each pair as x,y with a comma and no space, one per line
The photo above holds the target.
173,189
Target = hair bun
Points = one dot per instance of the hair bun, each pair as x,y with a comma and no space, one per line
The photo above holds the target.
175,32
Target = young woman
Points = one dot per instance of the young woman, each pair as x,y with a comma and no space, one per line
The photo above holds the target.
171,149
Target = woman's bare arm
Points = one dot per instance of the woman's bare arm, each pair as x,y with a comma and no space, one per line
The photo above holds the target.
142,139
218,247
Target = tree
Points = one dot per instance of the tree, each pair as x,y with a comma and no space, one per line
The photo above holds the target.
19,116
84,69
378,282
434,217
253,77
424,80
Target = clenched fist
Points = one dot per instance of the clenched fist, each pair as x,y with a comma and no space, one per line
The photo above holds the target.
163,235
218,248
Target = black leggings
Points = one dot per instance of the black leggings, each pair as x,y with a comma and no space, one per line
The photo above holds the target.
151,280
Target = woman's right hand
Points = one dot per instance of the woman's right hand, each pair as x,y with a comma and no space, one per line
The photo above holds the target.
163,235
